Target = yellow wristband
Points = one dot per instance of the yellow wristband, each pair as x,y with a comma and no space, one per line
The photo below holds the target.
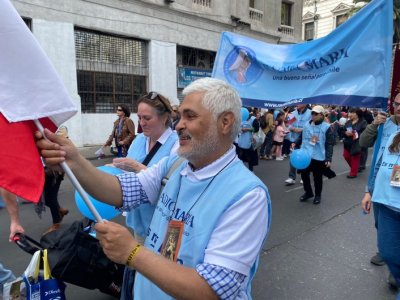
133,254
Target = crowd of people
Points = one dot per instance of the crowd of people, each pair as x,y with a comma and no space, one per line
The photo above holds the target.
190,237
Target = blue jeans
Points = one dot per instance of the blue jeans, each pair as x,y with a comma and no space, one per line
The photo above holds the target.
5,276
389,239
267,145
292,172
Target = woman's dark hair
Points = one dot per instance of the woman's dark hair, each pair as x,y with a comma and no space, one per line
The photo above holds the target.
160,103
280,118
125,109
395,146
358,112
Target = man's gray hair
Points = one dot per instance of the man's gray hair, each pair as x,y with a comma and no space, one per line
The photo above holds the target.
219,97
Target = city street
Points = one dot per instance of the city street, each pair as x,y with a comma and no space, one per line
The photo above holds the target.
312,252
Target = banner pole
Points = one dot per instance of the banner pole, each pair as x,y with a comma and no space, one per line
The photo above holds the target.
74,180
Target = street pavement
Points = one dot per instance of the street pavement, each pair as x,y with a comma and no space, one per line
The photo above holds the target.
312,252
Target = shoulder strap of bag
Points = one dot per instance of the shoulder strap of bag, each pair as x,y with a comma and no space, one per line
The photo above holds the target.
375,155
152,152
171,170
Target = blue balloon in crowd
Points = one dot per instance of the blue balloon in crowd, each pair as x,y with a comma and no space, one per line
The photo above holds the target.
300,159
245,114
106,211
276,112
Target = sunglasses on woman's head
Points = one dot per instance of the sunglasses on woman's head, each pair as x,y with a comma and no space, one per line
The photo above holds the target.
155,95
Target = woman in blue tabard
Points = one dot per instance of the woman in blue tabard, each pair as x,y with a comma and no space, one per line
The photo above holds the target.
317,140
156,141
246,151
387,197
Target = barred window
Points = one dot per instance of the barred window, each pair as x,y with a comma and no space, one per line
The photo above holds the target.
286,14
341,19
102,92
112,70
309,31
192,57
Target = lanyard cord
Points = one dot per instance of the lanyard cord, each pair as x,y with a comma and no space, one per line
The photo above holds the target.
208,184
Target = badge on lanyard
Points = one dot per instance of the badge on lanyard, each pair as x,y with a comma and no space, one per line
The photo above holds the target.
172,240
314,140
395,178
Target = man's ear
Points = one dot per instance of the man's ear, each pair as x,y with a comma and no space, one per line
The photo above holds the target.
226,121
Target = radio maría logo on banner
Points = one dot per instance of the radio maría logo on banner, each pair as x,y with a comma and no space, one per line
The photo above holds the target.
241,66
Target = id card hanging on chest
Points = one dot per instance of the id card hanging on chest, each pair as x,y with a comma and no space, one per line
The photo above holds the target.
395,178
172,240
314,140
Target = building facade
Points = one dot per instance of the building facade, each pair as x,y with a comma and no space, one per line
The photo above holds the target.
320,17
110,52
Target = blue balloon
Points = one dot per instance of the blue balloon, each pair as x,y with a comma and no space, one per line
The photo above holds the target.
300,159
245,114
276,112
106,211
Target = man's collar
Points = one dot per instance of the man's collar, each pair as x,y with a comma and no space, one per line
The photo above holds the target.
211,169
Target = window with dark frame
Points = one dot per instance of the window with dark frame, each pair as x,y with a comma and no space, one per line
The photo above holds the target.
196,58
28,22
341,19
286,14
309,31
251,3
111,70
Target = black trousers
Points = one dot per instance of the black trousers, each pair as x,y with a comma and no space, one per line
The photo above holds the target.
51,187
317,167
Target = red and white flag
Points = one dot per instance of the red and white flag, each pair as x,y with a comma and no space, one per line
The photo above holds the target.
290,119
30,89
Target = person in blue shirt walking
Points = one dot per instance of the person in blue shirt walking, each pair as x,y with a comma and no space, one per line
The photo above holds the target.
211,218
317,139
301,116
377,134
386,198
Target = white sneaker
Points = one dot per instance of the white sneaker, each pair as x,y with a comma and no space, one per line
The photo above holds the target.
301,181
284,155
290,181
279,158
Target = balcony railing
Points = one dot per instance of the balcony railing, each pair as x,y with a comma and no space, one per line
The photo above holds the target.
286,30
255,14
205,3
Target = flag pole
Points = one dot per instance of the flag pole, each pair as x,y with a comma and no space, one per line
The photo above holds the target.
74,180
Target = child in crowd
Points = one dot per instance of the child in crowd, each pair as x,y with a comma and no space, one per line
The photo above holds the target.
279,134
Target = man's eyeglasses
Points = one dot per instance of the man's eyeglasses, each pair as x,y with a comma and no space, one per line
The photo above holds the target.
155,95
396,104
314,113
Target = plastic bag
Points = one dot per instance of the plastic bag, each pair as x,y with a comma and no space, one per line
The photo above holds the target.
39,283
258,139
100,153
14,289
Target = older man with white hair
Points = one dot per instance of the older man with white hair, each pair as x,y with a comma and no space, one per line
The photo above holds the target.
211,218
